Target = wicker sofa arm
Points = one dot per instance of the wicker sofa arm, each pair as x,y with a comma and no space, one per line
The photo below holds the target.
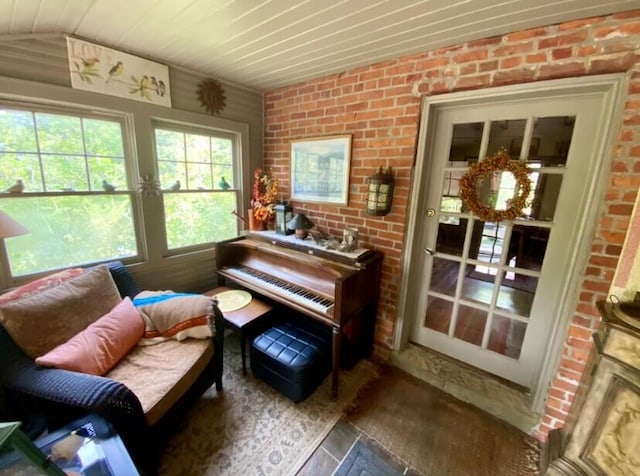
21,376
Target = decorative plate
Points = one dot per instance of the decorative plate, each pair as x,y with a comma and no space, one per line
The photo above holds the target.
233,300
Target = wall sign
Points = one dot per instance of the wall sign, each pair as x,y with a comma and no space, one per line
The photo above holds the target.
103,70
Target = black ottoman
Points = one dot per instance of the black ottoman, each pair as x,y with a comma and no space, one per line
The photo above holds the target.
292,360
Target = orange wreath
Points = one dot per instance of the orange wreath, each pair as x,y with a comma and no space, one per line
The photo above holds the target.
500,162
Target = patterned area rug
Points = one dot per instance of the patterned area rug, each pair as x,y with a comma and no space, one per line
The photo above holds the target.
250,429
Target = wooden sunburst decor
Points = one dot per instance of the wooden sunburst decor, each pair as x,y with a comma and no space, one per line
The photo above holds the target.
211,96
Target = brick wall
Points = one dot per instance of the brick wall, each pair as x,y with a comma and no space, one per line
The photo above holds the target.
380,106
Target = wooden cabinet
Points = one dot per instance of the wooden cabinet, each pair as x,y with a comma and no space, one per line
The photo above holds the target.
602,434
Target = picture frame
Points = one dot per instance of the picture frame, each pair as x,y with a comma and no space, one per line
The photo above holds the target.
103,70
320,169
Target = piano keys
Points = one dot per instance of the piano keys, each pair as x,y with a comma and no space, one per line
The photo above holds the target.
334,289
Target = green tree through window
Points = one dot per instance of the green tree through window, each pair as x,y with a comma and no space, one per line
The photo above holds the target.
197,203
63,160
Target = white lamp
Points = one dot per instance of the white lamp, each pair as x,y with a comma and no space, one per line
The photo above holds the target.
9,227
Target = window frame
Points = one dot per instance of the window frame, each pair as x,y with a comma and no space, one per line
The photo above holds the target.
187,128
122,118
152,260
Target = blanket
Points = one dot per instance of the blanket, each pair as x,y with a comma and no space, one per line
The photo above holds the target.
170,315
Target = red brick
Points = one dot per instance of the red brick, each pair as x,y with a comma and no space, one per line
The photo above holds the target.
614,64
513,49
537,58
574,24
561,40
513,76
475,55
488,66
511,62
527,34
470,82
554,71
561,53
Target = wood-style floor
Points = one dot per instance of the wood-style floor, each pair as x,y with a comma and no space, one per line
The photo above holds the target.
412,428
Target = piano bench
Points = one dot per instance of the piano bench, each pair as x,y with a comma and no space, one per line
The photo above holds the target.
292,360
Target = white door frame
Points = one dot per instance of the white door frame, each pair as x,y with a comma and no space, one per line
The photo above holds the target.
613,88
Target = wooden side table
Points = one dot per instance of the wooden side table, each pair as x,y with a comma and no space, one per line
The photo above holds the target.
242,318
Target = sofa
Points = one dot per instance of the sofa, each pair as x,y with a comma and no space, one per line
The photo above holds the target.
70,344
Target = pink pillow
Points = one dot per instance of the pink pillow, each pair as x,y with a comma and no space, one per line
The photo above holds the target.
99,347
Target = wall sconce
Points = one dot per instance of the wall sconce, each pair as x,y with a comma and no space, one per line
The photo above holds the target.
379,192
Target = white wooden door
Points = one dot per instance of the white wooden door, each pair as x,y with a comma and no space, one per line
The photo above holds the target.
490,292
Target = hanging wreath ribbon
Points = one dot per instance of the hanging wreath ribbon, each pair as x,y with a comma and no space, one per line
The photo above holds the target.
497,163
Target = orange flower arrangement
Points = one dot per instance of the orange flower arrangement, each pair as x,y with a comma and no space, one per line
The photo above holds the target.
264,195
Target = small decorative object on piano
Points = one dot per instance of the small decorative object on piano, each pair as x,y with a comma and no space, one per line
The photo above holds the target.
350,239
264,196
284,213
301,224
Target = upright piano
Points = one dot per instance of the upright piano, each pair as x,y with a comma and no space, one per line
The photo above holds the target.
340,290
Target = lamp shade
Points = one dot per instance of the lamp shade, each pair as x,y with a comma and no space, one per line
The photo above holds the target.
10,227
300,223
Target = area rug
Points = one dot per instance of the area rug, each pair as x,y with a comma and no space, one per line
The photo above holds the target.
366,458
251,429
436,434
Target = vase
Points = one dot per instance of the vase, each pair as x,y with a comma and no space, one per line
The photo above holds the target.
254,223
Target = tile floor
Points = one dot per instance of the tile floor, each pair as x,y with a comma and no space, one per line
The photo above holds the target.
336,447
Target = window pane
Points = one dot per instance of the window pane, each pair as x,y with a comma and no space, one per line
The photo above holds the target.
69,230
170,172
470,324
198,149
465,143
195,218
59,134
199,176
21,166
169,145
506,336
111,170
438,316
16,131
64,172
444,276
103,138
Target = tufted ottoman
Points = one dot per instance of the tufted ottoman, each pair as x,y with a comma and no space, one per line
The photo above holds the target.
292,360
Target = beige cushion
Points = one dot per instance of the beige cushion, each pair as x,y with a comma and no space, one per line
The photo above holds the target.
160,374
42,321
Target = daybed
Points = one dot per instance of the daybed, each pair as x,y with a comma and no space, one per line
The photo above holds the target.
139,396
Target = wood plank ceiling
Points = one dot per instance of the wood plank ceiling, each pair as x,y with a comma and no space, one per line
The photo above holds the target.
265,44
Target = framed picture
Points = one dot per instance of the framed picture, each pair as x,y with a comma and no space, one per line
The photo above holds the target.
103,70
320,169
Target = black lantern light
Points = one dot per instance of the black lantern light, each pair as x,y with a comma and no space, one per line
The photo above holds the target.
284,213
379,192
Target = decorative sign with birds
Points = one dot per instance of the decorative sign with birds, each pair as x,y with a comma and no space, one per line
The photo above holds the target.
103,70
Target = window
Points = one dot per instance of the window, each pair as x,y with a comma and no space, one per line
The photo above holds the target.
196,170
63,160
